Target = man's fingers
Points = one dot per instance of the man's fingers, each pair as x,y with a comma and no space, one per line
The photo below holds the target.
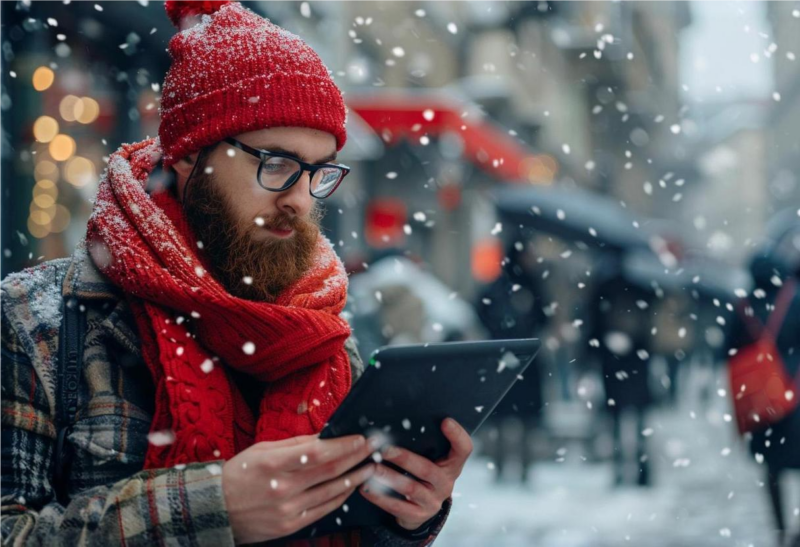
312,515
321,494
460,442
317,452
300,439
399,508
291,441
307,478
417,465
413,490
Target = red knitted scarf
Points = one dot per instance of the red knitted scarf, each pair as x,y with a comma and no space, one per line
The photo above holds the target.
192,329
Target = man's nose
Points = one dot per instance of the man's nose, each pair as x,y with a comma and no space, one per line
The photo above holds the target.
297,200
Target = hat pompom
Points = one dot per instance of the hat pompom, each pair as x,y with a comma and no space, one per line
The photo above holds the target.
178,9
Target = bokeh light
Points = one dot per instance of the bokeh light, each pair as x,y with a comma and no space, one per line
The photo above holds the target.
62,147
36,230
44,201
70,108
45,129
539,169
43,78
47,187
79,171
50,210
45,169
89,110
61,220
41,217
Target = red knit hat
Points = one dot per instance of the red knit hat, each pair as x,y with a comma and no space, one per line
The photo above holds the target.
236,72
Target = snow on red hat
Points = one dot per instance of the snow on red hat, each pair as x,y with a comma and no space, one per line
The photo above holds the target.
235,72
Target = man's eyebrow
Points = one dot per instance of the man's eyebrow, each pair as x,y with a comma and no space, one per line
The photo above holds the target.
331,157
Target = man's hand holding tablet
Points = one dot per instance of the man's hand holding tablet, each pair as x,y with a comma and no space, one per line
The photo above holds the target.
432,482
406,400
274,489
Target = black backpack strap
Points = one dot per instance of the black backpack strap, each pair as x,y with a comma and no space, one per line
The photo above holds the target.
70,361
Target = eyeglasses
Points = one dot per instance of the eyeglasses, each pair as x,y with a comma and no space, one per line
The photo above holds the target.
278,172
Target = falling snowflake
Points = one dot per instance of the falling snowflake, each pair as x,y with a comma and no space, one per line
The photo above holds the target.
161,438
214,468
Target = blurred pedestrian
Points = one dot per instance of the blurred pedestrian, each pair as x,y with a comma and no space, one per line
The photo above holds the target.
774,312
620,340
512,307
674,337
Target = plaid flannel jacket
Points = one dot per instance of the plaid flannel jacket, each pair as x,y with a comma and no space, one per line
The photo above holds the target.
113,501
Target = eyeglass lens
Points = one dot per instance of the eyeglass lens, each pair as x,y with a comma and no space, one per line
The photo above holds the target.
277,173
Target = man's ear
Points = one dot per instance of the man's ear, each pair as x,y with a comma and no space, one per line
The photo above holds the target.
184,166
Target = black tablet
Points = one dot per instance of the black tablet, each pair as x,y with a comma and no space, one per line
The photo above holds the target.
407,391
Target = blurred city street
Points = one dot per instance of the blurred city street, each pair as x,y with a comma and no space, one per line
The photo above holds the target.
708,492
618,179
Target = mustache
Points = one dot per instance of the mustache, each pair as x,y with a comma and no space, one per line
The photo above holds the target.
283,220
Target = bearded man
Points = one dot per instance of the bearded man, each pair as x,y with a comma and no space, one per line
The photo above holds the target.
214,350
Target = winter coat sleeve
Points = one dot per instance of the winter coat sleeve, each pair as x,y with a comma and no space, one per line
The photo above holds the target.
396,536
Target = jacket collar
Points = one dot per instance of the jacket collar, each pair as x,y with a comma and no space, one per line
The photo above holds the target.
84,280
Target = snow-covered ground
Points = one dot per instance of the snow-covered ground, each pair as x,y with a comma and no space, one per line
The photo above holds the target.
707,492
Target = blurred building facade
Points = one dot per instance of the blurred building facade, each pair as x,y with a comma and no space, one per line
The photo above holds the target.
77,82
727,209
582,94
783,142
589,91
746,152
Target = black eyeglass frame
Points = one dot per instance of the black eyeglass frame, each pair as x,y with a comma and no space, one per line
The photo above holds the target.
304,166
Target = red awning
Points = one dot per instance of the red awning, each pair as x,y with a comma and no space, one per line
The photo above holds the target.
412,115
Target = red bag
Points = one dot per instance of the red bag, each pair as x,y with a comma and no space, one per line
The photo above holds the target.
763,392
